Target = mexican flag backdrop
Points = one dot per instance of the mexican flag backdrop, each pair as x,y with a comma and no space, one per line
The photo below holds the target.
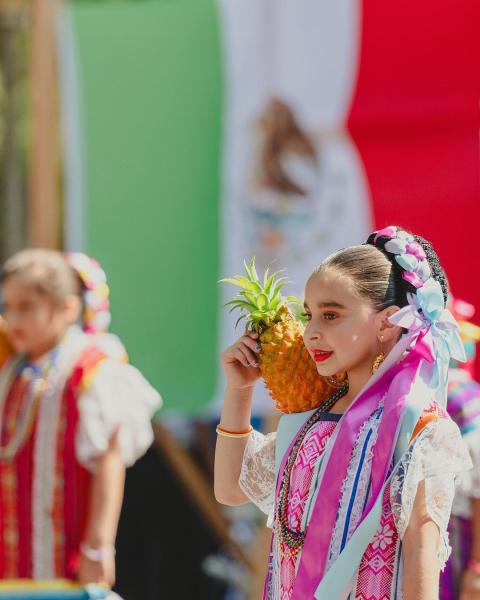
183,105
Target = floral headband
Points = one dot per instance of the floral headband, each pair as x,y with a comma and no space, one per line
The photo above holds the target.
96,294
425,312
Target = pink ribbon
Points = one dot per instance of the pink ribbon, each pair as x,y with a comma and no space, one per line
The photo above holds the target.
394,386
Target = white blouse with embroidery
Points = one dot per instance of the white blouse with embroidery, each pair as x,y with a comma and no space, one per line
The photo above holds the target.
118,399
468,483
436,456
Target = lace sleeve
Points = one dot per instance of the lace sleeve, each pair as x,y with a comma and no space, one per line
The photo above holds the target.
257,476
471,480
437,455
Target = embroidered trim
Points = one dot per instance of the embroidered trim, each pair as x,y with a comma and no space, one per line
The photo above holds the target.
354,497
43,531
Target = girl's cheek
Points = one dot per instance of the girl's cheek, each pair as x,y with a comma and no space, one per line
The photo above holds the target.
41,320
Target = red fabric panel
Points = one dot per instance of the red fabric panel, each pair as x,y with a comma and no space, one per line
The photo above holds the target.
77,479
74,499
415,121
18,502
11,520
24,494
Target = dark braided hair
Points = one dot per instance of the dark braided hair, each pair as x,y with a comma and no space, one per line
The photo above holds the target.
377,275
398,288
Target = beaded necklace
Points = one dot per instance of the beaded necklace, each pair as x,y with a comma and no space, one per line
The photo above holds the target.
36,376
290,538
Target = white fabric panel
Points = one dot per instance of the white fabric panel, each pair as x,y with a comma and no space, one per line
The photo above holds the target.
306,54
317,52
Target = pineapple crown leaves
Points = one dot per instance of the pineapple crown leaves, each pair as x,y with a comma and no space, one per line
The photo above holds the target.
260,299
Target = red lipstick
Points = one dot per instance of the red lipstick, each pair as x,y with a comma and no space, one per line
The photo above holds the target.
321,355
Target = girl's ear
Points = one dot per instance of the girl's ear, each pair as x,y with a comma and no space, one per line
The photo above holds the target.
73,308
386,330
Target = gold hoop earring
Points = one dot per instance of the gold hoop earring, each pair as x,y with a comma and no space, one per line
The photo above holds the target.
379,358
338,380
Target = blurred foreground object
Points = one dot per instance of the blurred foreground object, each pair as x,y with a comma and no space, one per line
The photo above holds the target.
464,408
52,590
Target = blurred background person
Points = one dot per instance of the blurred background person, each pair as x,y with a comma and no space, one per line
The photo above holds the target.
73,415
461,577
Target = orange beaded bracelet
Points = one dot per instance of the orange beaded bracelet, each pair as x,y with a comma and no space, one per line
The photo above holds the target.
233,434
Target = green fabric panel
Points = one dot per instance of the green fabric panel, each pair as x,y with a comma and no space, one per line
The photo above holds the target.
150,77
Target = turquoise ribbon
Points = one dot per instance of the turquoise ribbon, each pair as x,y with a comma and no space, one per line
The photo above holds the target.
439,334
337,580
426,311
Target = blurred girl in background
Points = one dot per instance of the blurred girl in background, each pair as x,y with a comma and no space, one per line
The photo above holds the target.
73,415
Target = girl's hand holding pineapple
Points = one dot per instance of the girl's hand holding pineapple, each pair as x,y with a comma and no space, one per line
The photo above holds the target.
240,362
271,348
275,330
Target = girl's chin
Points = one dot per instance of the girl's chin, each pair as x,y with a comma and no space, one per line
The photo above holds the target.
323,371
24,349
19,348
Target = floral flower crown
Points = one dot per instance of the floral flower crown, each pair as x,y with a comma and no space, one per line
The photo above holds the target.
425,312
409,254
96,316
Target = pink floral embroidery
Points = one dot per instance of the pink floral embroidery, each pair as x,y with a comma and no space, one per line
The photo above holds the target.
376,569
383,538
377,566
301,479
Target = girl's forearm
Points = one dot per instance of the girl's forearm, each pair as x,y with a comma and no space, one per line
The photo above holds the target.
237,409
420,552
421,574
236,415
475,530
106,497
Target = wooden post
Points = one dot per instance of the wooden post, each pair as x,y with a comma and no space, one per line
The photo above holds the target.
12,27
199,491
43,215
12,4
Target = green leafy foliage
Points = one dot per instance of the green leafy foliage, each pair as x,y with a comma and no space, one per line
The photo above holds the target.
260,300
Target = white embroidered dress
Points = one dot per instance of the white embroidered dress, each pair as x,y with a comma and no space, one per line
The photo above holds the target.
436,456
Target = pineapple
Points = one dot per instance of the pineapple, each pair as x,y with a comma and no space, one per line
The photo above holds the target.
289,372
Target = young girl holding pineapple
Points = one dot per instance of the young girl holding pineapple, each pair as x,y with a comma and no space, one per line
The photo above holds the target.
72,415
358,485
